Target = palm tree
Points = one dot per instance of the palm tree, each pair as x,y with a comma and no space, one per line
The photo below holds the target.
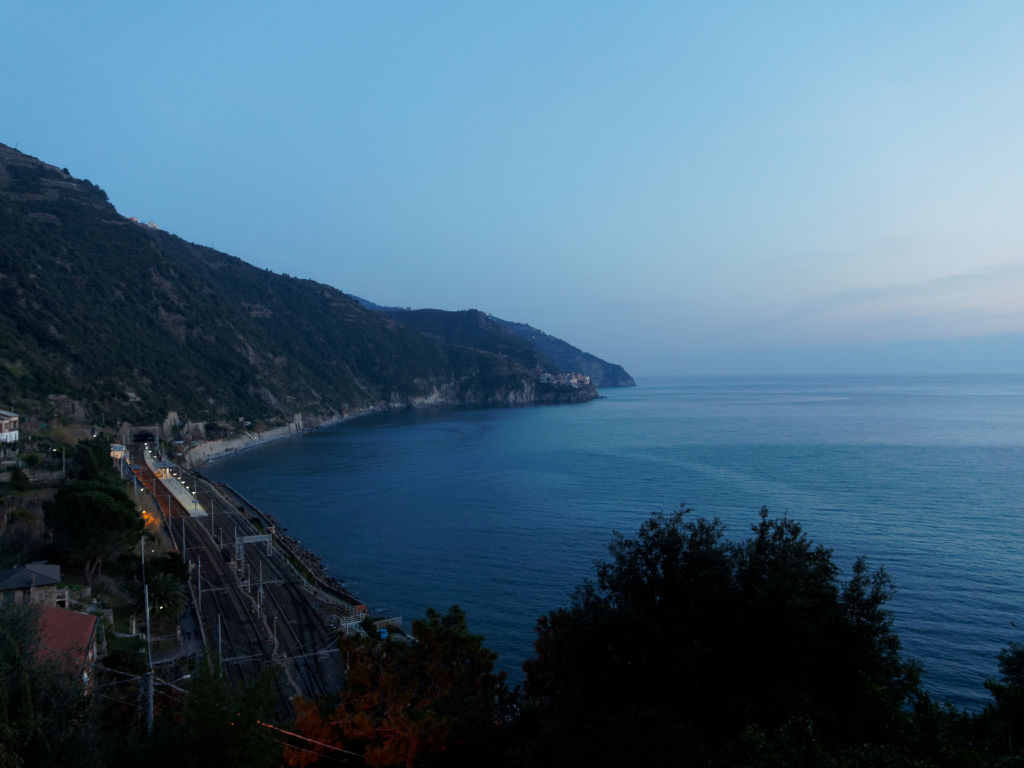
166,596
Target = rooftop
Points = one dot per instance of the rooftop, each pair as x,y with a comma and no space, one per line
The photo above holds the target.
31,575
65,636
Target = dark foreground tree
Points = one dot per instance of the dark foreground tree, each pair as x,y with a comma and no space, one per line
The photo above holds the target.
1001,725
90,522
46,718
199,722
220,725
430,701
689,647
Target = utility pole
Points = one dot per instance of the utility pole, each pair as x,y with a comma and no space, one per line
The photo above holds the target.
149,674
259,594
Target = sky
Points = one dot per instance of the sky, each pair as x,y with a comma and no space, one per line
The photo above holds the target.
705,188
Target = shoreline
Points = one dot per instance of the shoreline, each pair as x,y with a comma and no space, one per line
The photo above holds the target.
313,562
210,450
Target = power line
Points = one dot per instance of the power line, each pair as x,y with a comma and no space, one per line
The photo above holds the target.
323,744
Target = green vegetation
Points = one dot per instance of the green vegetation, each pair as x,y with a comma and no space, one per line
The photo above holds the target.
686,649
473,328
521,343
427,702
45,717
48,718
718,650
166,595
566,357
212,725
92,521
19,480
135,322
90,462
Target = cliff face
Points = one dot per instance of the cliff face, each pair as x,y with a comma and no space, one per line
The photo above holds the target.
521,392
136,322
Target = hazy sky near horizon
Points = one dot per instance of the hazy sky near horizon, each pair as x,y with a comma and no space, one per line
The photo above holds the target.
677,187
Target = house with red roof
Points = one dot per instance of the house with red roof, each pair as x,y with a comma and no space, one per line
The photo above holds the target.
68,638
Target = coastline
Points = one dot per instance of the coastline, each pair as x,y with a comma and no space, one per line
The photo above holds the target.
210,450
325,585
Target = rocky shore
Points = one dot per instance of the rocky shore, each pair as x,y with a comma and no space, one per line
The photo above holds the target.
317,574
207,450
536,393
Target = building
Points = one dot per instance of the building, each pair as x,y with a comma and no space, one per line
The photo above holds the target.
32,583
8,427
68,638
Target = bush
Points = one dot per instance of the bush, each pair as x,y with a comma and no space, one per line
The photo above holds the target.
19,480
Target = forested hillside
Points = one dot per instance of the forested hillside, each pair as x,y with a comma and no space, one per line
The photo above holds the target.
136,322
518,341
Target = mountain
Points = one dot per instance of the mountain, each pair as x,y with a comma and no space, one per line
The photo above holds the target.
132,323
569,358
519,342
475,329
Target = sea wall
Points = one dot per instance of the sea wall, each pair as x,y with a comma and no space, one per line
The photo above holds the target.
211,449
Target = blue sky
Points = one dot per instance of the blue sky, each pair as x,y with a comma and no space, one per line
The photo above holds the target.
677,187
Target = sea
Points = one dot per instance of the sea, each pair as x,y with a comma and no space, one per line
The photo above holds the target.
504,511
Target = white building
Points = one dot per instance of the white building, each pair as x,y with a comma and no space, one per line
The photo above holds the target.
8,427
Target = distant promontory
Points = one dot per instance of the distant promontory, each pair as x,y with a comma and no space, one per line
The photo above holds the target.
523,343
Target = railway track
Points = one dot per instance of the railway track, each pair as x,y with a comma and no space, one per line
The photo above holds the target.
255,611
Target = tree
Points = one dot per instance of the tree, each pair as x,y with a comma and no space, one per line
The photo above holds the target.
1004,720
45,717
204,721
219,725
90,461
19,480
686,642
92,521
166,596
171,563
409,702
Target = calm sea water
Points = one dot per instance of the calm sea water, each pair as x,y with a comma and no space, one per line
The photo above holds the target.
504,511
